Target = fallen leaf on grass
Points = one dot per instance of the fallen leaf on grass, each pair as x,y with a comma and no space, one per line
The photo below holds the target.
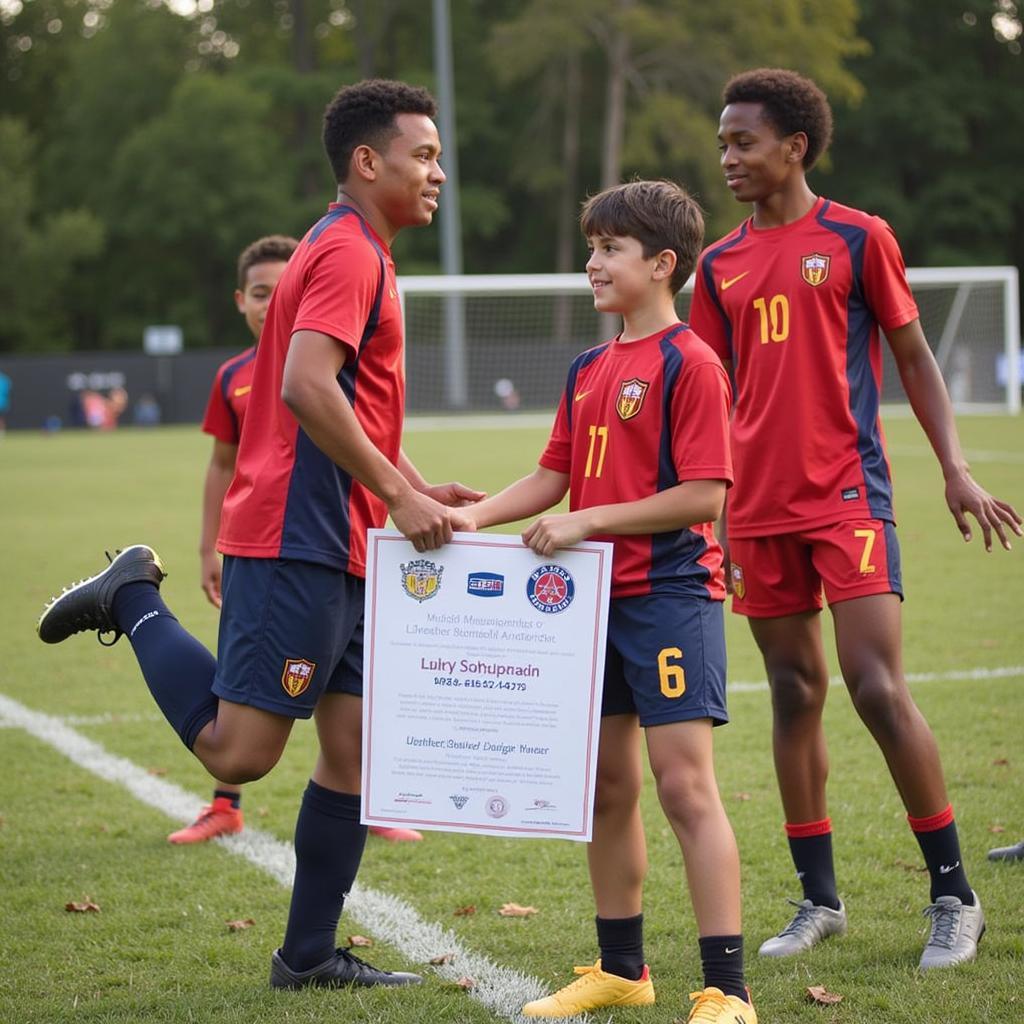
157,771
465,911
514,910
910,866
359,940
742,796
262,811
240,926
443,958
1001,762
996,829
86,906
466,982
821,995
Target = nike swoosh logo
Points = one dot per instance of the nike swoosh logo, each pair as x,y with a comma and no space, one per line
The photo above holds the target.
581,394
728,282
242,391
728,950
945,870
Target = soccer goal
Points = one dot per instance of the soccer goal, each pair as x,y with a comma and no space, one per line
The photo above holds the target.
488,343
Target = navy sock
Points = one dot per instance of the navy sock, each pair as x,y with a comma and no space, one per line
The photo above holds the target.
622,945
177,668
810,845
328,847
721,956
228,794
940,844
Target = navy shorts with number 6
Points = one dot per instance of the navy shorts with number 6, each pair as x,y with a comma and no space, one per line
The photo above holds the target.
666,659
289,632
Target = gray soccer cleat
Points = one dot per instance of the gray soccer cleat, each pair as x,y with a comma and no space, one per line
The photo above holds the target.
89,603
342,969
956,931
1015,852
809,926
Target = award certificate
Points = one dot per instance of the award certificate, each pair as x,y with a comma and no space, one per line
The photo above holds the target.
483,671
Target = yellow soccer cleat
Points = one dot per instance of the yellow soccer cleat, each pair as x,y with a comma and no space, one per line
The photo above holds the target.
594,990
712,1006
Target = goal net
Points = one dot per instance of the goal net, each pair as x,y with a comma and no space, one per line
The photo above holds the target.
487,343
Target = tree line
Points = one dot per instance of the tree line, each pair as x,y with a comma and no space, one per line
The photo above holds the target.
143,143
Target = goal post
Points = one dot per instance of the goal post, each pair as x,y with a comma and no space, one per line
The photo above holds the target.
503,342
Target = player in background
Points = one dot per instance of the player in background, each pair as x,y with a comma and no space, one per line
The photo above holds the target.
1015,852
319,462
793,300
641,442
260,265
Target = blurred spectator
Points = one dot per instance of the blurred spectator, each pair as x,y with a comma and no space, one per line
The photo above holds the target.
5,400
146,411
102,412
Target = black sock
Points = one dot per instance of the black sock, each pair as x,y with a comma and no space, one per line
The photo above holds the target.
228,794
941,848
622,945
810,845
721,956
328,847
177,668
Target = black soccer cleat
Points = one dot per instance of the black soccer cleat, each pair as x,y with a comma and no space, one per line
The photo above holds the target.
344,968
89,603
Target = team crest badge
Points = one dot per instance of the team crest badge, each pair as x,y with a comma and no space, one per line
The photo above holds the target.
297,675
631,398
550,589
814,268
421,579
739,587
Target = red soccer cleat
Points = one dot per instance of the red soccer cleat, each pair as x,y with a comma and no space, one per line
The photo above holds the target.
396,835
219,819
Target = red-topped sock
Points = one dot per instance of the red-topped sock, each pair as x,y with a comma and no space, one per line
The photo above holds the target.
810,845
940,844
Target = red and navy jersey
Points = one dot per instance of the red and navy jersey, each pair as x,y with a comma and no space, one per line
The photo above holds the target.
636,419
797,310
287,498
229,397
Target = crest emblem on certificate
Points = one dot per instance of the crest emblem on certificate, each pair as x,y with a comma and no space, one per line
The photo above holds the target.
814,268
631,398
421,578
550,589
297,675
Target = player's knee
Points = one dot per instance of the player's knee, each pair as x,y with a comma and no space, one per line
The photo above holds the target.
882,703
239,767
796,693
685,794
616,793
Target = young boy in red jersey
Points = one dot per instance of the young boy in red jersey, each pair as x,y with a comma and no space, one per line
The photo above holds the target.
641,443
319,462
260,266
793,300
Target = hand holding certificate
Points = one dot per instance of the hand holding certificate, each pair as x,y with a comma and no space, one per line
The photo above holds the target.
483,675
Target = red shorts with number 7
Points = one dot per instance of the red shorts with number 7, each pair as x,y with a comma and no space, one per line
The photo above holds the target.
784,574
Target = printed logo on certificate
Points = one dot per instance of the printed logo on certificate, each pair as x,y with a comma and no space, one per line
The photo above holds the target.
482,677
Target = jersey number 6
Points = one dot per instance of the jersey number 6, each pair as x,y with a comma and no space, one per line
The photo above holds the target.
672,677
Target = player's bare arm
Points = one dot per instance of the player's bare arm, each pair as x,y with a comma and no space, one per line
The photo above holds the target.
688,503
542,489
218,478
310,390
452,494
929,399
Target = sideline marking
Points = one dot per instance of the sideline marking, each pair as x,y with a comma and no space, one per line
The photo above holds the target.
1004,672
500,989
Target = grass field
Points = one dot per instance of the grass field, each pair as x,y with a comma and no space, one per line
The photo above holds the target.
160,949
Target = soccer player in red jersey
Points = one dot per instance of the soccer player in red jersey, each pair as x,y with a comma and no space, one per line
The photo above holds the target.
319,462
793,300
640,442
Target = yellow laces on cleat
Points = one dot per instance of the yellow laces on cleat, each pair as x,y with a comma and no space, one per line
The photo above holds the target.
713,1006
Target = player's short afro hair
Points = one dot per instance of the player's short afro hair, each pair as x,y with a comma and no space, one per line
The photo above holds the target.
364,115
270,249
791,103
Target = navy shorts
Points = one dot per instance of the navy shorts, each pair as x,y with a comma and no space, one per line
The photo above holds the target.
665,660
289,631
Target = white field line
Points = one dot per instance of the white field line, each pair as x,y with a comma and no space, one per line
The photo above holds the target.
965,674
500,989
973,454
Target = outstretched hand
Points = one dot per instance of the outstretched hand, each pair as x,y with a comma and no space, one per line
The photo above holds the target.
455,495
964,496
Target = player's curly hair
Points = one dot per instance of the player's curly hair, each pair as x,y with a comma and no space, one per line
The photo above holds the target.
791,103
364,115
658,214
270,249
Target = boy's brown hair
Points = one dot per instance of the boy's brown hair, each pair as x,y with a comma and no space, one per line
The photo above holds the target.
658,214
271,249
